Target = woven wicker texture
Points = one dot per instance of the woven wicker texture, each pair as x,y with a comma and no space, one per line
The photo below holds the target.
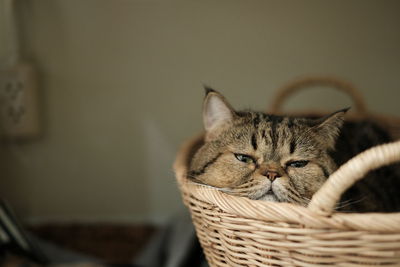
326,81
235,231
390,123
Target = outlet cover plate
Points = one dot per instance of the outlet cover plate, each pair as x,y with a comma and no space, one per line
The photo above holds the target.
19,115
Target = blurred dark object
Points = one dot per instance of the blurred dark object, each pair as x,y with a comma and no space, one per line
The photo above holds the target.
13,238
176,245
110,243
56,256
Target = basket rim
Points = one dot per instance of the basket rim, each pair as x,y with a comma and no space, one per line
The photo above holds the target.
273,212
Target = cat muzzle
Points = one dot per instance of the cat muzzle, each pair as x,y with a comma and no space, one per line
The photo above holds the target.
271,175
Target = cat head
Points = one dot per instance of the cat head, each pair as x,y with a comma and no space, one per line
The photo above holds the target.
261,156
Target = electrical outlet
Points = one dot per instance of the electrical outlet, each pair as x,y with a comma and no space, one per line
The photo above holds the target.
19,116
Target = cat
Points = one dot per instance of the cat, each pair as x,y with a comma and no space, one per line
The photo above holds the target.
287,159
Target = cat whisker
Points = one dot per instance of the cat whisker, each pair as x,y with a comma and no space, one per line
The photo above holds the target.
297,200
348,202
244,190
298,196
295,197
201,184
246,185
222,189
225,189
292,191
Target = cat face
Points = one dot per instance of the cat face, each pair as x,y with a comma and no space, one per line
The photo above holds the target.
266,157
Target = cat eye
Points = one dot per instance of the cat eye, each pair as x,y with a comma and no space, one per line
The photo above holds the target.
297,164
244,158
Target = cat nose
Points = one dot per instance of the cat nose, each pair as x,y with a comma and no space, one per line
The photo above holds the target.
271,175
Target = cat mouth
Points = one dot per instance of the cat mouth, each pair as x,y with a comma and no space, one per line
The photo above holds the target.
269,196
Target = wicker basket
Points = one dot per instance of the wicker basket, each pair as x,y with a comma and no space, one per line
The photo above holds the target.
235,231
390,123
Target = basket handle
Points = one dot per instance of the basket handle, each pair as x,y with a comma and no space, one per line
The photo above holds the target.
303,83
325,199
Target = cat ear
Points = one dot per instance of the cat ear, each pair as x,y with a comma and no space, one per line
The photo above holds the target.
328,127
216,110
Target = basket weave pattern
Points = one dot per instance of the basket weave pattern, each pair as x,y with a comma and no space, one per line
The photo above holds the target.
235,231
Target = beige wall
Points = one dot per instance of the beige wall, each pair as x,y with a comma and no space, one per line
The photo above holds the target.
121,88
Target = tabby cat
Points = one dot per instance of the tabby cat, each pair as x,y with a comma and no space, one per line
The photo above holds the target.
287,159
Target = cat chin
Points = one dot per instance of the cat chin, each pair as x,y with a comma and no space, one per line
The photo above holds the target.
269,197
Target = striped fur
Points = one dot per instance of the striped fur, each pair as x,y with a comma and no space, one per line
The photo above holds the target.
273,142
276,148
